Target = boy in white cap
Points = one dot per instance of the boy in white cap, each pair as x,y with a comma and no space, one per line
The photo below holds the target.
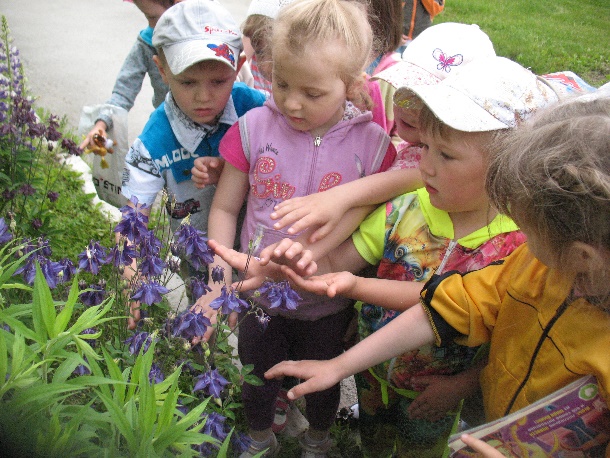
199,46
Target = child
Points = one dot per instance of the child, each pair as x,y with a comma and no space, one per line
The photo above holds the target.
137,64
545,309
198,46
307,137
420,65
448,225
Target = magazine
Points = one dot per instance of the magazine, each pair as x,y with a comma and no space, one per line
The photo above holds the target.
571,422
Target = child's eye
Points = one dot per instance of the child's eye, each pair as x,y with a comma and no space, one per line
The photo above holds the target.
281,85
313,96
219,82
445,155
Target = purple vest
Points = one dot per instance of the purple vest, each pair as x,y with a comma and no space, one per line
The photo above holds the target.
286,163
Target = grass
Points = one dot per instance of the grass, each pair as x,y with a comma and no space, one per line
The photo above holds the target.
543,36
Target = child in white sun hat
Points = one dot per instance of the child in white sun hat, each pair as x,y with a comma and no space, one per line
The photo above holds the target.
198,45
409,402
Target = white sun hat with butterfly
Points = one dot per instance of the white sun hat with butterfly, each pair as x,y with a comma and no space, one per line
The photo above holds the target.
488,94
437,52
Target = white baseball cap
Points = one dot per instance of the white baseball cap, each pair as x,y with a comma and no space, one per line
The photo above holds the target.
196,30
437,52
487,94
269,8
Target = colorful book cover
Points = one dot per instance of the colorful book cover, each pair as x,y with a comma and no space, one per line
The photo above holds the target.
572,422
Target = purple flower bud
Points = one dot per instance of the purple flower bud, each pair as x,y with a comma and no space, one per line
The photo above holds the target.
5,234
52,196
138,341
198,288
218,274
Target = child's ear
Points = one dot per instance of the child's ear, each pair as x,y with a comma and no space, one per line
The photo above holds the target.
240,62
161,68
585,258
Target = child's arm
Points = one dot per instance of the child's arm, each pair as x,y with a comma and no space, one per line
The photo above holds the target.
326,209
206,171
222,226
389,294
408,331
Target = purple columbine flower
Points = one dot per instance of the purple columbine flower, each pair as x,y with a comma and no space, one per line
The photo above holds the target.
94,295
262,318
196,249
81,369
191,324
134,223
72,148
215,427
229,301
280,295
241,441
5,233
27,190
138,341
123,254
67,270
211,382
152,266
155,374
36,223
150,245
149,293
92,258
199,288
52,196
218,274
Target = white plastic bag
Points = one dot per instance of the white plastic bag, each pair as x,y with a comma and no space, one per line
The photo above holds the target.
107,180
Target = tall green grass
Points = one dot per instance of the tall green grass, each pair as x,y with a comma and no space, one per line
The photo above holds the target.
542,35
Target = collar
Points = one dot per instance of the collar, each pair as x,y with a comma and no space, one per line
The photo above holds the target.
440,224
188,133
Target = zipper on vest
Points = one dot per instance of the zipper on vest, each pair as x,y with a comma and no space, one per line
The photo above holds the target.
317,141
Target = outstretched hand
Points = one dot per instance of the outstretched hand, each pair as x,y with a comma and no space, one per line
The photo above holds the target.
206,171
314,210
256,273
319,375
291,253
330,284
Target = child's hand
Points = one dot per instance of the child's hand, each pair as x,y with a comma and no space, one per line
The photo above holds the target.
318,209
320,375
442,394
206,171
134,315
328,284
98,128
256,274
486,450
291,253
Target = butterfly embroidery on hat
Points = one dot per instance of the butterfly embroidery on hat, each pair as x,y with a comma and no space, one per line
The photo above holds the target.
445,61
223,50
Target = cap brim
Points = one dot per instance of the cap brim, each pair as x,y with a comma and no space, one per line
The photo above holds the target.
442,100
406,74
181,56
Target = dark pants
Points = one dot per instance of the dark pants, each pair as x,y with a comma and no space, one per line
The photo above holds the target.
289,339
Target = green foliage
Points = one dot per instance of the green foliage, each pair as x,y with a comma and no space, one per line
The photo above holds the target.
544,36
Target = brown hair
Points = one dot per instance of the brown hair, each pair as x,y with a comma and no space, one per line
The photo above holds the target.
552,174
308,22
385,17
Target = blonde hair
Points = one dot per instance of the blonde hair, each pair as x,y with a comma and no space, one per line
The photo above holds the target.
552,174
309,22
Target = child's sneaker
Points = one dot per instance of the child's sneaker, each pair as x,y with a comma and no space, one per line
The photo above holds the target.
282,407
313,448
270,444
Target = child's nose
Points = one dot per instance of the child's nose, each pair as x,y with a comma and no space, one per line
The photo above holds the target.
292,102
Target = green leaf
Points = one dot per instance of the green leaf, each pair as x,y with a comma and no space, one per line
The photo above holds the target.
43,307
119,419
64,316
